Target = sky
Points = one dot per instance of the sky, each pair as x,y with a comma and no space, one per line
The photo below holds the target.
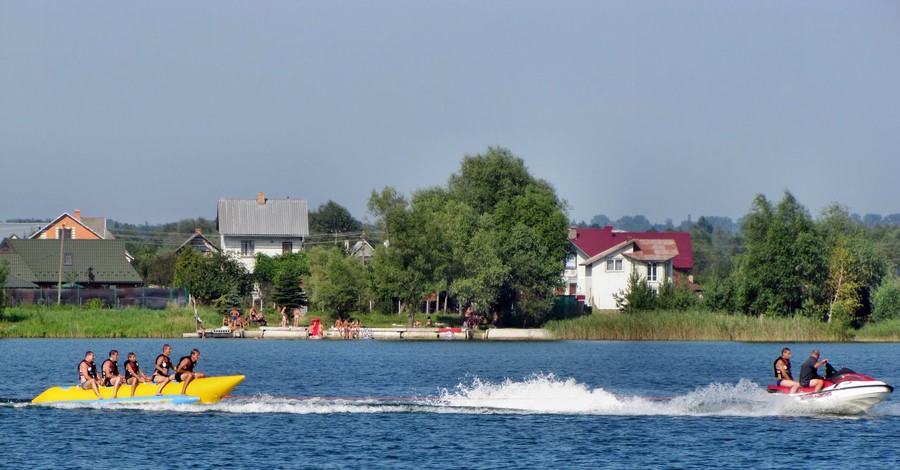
152,111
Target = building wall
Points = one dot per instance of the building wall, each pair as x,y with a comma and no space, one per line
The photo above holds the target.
79,232
267,245
598,285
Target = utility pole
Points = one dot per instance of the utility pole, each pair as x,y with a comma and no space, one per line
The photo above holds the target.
62,239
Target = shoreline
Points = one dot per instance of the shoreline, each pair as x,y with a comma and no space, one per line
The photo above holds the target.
390,334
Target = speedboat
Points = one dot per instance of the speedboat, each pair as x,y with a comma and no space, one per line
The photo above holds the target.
845,392
205,390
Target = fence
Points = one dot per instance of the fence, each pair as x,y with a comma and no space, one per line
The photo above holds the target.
147,297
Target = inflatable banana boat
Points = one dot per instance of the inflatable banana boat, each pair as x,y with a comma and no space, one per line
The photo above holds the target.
205,390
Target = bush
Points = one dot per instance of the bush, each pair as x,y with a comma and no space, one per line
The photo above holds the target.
886,302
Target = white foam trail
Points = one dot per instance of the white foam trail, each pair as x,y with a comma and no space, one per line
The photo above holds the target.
537,394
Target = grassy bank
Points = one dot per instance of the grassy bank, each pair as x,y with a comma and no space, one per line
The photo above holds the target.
694,326
74,322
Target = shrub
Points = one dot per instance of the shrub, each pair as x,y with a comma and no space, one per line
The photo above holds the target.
886,302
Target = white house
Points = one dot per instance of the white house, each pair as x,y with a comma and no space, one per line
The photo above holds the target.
604,259
268,226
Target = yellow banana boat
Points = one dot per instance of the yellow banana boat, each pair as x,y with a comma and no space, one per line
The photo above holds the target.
205,390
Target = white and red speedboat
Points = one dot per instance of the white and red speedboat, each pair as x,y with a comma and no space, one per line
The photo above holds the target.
845,392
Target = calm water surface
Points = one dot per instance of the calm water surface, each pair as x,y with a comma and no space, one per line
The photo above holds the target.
382,404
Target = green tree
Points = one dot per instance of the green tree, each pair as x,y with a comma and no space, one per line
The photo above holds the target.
637,295
783,269
268,268
886,300
332,217
337,282
288,290
211,276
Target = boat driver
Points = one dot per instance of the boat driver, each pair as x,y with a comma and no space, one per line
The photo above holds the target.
87,374
782,368
809,374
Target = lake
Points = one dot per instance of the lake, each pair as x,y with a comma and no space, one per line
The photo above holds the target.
451,404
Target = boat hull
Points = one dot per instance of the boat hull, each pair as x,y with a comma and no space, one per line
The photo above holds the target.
842,398
206,390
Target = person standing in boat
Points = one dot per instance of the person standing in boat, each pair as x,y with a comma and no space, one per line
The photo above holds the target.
133,373
161,373
184,371
782,368
87,374
111,375
809,373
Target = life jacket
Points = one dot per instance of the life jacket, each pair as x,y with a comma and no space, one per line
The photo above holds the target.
189,367
165,365
113,368
787,366
134,366
91,371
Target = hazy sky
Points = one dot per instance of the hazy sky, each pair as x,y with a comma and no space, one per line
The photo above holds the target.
151,111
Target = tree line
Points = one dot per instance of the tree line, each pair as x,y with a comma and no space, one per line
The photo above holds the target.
784,262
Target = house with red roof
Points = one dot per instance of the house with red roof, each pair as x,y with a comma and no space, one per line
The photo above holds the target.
605,258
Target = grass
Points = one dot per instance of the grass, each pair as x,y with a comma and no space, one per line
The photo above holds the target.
693,326
888,330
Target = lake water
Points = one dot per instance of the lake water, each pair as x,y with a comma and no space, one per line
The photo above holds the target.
404,404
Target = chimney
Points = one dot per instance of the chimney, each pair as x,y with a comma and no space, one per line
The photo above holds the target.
260,198
198,230
573,232
78,214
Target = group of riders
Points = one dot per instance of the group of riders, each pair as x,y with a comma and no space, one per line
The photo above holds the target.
164,371
809,374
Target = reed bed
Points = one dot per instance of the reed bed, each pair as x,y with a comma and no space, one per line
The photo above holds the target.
694,326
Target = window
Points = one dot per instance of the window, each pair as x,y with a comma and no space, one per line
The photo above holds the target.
246,247
286,247
614,265
651,272
68,259
66,233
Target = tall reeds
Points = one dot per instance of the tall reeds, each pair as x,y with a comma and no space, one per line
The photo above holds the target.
693,326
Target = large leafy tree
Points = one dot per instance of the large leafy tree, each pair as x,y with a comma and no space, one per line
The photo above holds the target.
784,267
495,236
855,265
332,217
268,268
211,276
337,282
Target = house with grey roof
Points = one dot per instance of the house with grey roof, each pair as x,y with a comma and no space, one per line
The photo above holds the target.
262,225
198,242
